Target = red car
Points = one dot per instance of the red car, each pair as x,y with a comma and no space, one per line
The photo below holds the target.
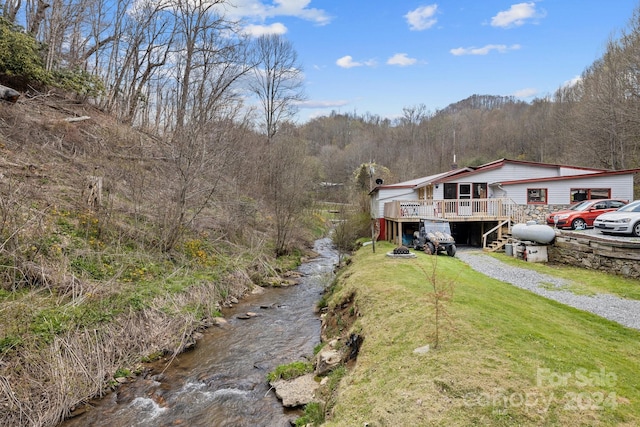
581,215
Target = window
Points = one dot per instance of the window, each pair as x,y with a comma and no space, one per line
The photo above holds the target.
450,190
615,204
480,190
425,193
580,194
536,195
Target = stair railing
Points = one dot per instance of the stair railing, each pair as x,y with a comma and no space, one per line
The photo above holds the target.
497,227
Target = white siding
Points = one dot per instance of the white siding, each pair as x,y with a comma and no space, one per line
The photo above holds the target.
512,172
438,193
515,171
385,195
575,171
496,192
558,192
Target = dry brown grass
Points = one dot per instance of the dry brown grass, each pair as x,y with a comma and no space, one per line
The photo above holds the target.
43,384
61,261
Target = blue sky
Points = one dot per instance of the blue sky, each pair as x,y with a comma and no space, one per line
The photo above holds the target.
379,56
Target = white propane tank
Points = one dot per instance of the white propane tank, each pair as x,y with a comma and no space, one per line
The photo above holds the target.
533,232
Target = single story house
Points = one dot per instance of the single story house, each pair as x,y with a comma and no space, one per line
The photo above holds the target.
482,201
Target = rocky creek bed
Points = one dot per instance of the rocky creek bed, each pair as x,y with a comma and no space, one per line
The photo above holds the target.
222,381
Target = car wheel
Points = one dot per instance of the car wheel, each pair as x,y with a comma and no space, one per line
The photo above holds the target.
451,250
429,248
636,229
578,224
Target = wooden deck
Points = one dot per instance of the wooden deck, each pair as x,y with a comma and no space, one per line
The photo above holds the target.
493,215
454,210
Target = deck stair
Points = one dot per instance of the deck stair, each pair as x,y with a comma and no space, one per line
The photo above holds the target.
498,244
503,229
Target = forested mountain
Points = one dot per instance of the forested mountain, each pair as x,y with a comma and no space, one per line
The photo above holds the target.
480,102
592,123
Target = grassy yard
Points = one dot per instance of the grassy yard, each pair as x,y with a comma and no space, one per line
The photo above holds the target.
581,280
506,356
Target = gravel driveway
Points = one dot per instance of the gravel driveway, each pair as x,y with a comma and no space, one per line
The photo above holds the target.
624,311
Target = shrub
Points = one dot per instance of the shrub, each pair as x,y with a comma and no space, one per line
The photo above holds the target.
21,62
20,54
78,81
350,229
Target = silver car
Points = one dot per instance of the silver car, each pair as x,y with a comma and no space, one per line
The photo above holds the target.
625,220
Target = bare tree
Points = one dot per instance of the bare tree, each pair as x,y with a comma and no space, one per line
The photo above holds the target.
194,20
63,32
150,43
137,31
597,126
35,14
10,10
207,107
200,160
278,81
439,300
411,119
288,183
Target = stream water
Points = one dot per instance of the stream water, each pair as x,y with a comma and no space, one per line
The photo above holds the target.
222,381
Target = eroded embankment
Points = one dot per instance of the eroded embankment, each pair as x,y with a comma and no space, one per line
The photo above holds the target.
341,341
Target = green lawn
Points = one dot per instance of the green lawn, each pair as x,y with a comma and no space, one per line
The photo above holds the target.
506,356
582,280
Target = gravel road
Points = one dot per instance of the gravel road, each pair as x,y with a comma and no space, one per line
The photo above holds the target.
624,311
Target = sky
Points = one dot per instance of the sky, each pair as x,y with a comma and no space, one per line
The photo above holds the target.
380,56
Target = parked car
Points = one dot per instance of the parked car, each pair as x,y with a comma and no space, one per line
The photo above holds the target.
625,220
434,237
581,215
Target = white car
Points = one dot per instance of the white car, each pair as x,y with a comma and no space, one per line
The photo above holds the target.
625,220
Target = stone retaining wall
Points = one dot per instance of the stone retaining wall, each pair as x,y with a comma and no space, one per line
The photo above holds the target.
538,213
612,256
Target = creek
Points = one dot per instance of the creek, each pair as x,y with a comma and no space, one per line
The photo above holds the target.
222,381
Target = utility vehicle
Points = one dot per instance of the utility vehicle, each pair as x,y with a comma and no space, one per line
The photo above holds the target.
434,237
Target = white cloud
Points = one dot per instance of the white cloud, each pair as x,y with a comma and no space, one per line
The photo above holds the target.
348,62
422,18
516,15
401,59
260,30
525,93
485,50
258,9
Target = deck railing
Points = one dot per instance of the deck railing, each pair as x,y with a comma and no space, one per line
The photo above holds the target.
454,209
